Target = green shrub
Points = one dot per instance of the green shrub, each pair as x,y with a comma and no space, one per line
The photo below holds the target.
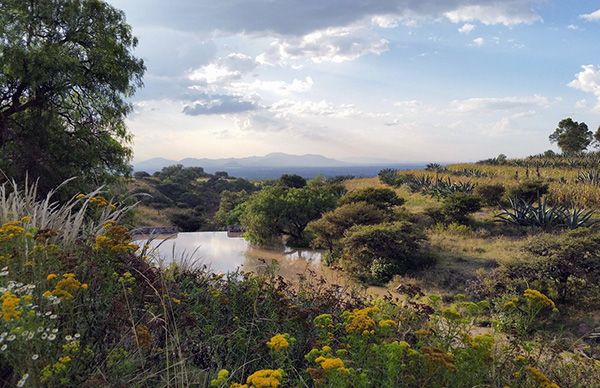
396,246
490,194
458,206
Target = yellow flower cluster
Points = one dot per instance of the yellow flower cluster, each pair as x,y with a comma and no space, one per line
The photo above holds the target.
328,363
10,304
541,378
54,369
221,379
511,303
360,321
115,239
98,201
536,296
278,342
11,230
438,356
65,287
384,323
265,378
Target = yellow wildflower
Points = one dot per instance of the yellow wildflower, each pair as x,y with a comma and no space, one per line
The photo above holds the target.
10,303
537,296
65,287
330,363
541,378
359,320
64,359
51,276
278,342
266,378
387,323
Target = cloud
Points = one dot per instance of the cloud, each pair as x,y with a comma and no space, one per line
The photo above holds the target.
478,41
573,27
466,28
298,18
219,104
507,13
591,17
224,70
287,107
493,104
274,87
588,80
409,105
328,45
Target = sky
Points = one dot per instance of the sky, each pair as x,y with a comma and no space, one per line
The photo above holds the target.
362,80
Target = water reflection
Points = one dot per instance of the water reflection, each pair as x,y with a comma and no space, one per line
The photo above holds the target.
225,253
222,253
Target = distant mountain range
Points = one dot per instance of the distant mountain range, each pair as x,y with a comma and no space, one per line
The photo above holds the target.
276,159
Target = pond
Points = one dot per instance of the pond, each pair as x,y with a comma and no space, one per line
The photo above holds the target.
223,253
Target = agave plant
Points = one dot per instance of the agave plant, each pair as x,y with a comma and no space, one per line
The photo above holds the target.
522,213
591,177
575,217
517,213
544,216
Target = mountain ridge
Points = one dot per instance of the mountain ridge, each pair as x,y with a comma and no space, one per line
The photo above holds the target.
274,159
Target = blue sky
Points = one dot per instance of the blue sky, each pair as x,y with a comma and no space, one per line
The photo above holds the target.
385,80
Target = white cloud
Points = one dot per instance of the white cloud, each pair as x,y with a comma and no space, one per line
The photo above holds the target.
507,13
478,41
287,107
492,104
591,17
224,70
588,80
328,45
275,87
573,27
409,105
466,28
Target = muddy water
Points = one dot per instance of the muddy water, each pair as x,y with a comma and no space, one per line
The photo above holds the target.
223,253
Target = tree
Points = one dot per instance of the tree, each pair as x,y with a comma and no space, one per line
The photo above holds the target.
229,207
276,211
292,181
571,136
329,229
67,71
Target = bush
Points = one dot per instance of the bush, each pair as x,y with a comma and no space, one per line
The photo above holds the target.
186,222
328,230
490,194
528,190
458,206
397,247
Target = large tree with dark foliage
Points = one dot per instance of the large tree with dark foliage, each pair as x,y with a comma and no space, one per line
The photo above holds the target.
571,136
67,71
